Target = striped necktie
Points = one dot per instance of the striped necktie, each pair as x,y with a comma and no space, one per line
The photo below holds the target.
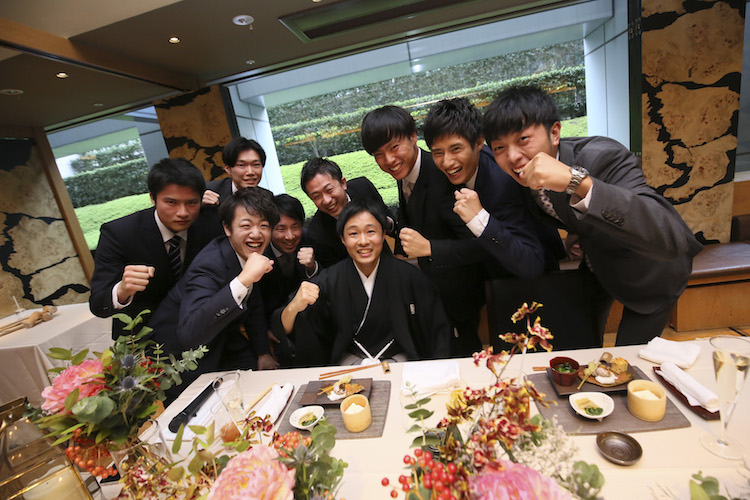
175,260
542,199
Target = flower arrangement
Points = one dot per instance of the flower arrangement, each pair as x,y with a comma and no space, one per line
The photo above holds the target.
487,446
100,404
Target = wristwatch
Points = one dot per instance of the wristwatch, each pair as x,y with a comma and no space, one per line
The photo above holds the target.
577,174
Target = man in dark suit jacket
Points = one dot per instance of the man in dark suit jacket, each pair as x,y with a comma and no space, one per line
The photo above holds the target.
636,244
218,298
370,305
137,261
293,262
490,204
321,179
429,230
244,160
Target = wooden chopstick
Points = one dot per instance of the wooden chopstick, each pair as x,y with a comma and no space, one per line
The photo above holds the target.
345,371
260,396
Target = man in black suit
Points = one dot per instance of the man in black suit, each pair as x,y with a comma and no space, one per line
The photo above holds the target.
138,260
217,299
293,261
430,231
367,306
244,160
637,248
488,201
321,179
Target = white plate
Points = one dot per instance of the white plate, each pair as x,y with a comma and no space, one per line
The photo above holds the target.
295,417
598,398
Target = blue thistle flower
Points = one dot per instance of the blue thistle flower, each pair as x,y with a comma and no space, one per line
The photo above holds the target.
128,383
128,361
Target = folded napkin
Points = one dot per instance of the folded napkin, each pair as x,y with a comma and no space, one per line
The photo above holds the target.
203,418
276,402
429,377
696,393
660,350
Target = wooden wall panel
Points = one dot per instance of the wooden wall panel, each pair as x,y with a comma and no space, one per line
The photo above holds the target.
691,68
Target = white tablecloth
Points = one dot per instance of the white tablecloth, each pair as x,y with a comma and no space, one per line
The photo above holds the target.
669,457
23,354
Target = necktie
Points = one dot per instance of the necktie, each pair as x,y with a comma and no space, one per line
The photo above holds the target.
408,187
175,259
542,199
286,263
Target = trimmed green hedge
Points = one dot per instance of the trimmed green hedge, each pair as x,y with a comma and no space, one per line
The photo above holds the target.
110,155
334,134
108,183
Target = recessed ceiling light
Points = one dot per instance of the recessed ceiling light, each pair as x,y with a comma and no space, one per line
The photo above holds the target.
316,1
243,20
250,61
62,74
11,91
174,39
98,104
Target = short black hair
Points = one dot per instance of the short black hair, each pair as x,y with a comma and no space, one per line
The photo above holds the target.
236,146
453,117
257,201
382,125
516,108
355,207
175,171
289,206
317,166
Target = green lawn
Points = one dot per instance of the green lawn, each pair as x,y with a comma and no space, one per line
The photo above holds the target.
356,164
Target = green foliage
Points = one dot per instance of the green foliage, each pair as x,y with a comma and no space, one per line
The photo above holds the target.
706,488
587,480
330,133
108,156
108,183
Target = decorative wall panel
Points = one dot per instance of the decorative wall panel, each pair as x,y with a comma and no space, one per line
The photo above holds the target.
196,126
691,69
39,264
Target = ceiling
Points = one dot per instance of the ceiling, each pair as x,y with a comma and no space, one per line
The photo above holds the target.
118,57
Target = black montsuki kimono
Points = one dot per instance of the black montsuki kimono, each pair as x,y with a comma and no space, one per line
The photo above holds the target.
404,307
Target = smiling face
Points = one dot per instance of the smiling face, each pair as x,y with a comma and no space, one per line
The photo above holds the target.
177,206
397,156
247,171
249,232
456,157
287,234
514,150
328,194
363,239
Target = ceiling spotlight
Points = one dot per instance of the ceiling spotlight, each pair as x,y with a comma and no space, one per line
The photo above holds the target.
62,74
250,61
243,20
317,1
11,91
98,104
174,39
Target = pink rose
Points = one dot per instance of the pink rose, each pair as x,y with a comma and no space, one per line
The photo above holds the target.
254,474
516,481
81,377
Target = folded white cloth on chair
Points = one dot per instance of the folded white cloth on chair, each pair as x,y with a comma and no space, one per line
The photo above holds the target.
276,402
696,393
429,377
660,350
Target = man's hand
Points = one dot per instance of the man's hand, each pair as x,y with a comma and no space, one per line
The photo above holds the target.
467,204
545,172
307,294
210,197
255,267
414,244
134,279
306,257
266,362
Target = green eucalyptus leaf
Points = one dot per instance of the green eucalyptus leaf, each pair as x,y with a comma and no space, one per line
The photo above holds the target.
197,429
94,409
420,414
176,473
195,465
60,353
71,399
80,357
414,428
423,401
210,434
411,406
697,492
178,439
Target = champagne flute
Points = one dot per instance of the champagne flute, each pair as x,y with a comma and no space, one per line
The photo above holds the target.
731,364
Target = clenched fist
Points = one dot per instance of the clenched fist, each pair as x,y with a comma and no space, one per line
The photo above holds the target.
255,267
134,279
467,204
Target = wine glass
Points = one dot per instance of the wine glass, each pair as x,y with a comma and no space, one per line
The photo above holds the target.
731,364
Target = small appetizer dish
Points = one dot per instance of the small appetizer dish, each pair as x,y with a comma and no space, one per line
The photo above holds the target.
592,405
306,417
564,370
340,389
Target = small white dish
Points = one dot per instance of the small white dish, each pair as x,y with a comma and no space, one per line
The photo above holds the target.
598,398
297,415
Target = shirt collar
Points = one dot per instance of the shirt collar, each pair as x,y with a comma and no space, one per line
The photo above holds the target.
414,174
166,233
368,281
471,182
276,252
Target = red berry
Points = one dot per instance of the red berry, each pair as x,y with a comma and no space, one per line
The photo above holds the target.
406,487
452,468
427,483
384,481
402,479
418,452
394,493
450,478
407,459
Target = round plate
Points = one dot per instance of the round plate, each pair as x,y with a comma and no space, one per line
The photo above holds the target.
599,398
619,448
295,417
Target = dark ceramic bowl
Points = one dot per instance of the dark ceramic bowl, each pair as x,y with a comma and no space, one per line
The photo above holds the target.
564,379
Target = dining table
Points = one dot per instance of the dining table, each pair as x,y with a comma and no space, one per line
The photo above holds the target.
23,353
669,457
